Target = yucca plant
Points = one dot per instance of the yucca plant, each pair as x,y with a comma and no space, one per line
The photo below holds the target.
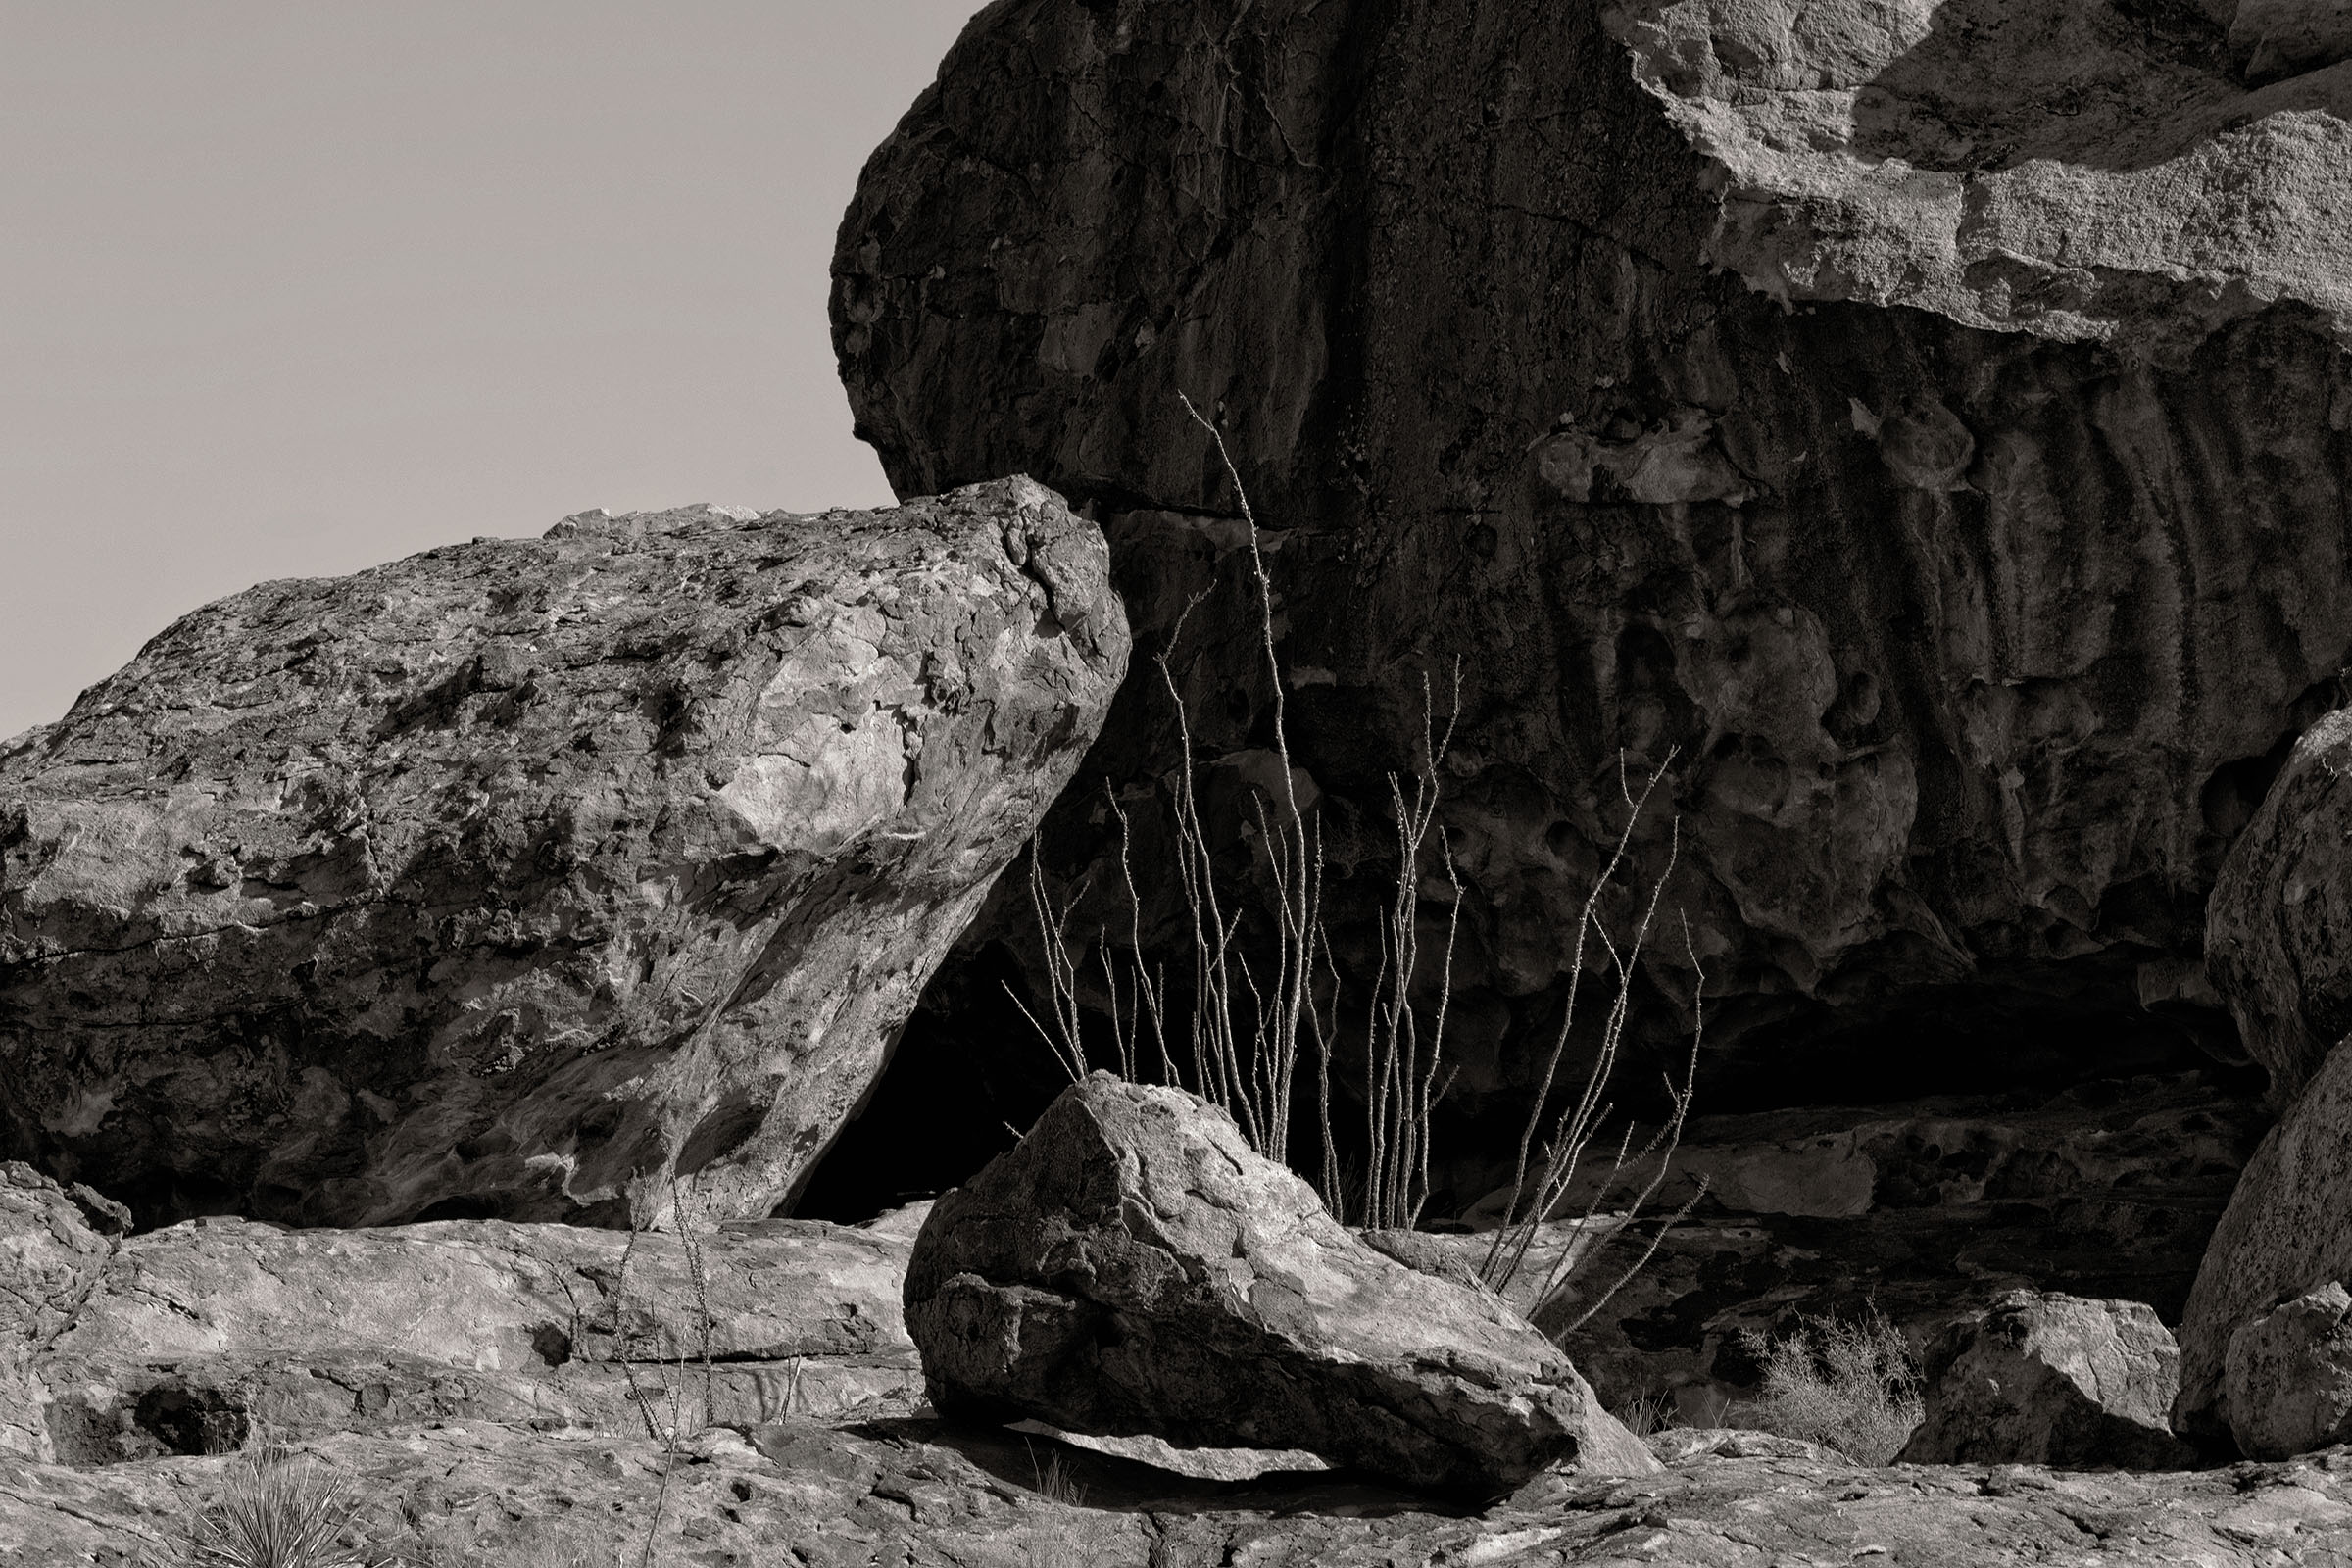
280,1512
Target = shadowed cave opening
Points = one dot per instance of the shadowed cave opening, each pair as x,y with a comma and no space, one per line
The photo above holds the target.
970,1070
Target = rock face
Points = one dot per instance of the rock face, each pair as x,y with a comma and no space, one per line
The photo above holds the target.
2289,1376
1932,420
2056,1380
514,877
2287,1230
1135,1267
185,1340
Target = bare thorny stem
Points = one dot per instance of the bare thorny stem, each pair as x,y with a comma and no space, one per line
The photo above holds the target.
673,1394
1247,1029
1578,1125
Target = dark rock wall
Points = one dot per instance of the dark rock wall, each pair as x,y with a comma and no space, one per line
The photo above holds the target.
1976,613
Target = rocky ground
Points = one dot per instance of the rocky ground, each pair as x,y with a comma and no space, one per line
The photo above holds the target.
917,1490
481,1387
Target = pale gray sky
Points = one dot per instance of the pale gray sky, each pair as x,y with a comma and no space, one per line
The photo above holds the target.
290,287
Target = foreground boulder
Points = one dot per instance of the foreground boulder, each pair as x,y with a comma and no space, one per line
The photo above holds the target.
2288,1377
1133,1267
2287,1230
1928,417
2055,1380
513,877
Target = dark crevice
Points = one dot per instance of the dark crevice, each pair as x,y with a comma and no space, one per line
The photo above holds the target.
968,1070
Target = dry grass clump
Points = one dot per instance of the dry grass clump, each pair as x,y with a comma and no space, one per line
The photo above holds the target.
1848,1384
281,1512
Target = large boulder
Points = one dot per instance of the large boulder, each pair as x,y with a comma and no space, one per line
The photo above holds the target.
1133,1267
2287,1230
2289,1376
521,877
2047,1379
1932,420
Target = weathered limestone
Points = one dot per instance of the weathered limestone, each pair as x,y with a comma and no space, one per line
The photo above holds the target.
2278,930
183,1340
514,877
1135,1267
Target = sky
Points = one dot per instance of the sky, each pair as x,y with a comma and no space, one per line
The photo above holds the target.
292,287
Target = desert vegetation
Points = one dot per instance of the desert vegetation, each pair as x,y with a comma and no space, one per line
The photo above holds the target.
1252,1014
281,1510
1851,1384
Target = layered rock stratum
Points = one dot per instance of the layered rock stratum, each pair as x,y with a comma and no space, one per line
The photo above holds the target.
1920,429
525,877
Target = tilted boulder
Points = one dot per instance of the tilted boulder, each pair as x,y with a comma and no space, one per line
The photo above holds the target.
2289,1376
2057,1379
513,877
1929,419
1133,1267
2287,1225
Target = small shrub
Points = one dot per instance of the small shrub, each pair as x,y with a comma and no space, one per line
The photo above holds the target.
1646,1412
1852,1385
1056,1483
280,1512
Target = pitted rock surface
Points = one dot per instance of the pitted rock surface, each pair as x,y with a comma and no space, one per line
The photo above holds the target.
1133,1267
2288,1378
1933,418
509,878
2279,929
2287,1230
2040,1378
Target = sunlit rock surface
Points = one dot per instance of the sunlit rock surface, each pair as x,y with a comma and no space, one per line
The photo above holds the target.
514,877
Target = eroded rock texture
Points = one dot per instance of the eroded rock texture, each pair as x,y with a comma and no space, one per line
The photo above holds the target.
1135,1267
2289,1376
922,1493
1931,421
515,877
